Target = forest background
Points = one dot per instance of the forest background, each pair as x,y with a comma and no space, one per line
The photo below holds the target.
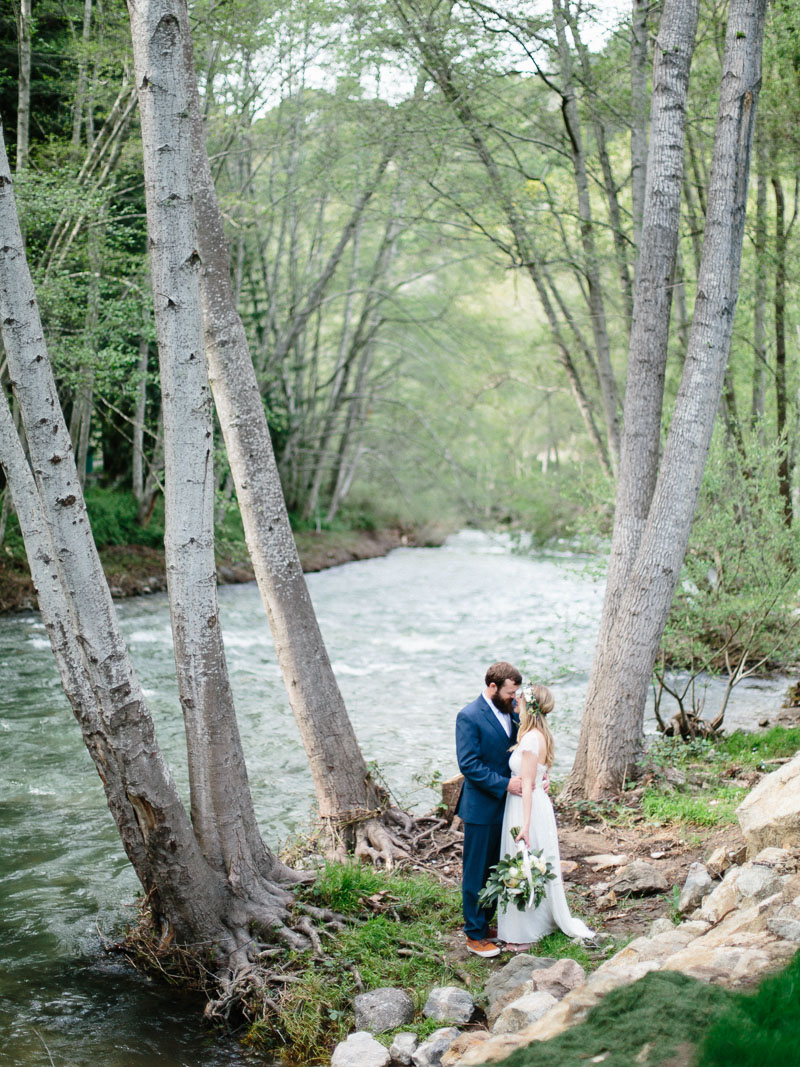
417,365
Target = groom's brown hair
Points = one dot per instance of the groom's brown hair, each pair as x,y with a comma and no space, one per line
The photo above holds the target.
499,672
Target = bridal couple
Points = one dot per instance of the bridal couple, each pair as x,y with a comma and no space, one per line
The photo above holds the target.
505,749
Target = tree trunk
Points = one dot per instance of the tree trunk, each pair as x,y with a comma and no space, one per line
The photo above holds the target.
784,478
644,396
222,811
347,798
24,19
611,731
184,892
760,293
591,269
639,13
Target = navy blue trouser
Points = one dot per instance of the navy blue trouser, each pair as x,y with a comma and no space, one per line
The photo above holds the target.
481,852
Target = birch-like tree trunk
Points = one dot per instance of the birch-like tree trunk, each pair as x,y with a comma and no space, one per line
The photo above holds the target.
639,109
611,731
97,674
760,292
647,360
779,300
24,20
222,811
346,795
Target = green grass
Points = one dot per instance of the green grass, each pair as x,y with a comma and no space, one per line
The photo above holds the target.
753,749
638,1024
713,808
404,944
758,1029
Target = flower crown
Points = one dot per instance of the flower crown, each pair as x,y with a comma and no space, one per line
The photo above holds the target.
530,699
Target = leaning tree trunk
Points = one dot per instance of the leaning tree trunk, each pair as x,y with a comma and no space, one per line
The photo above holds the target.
185,894
349,801
222,810
611,731
24,20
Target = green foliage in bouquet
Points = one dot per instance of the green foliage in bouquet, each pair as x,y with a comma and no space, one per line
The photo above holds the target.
520,880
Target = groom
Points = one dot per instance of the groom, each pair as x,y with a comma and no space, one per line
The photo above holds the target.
485,731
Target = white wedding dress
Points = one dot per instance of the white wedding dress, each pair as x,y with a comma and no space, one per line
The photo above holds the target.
521,927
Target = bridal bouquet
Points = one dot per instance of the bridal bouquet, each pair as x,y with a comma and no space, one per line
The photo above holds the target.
520,880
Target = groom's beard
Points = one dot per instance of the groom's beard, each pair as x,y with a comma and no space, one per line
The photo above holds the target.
504,705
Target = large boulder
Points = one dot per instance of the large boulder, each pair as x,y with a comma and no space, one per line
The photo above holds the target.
770,813
449,1004
559,979
470,1039
360,1050
383,1009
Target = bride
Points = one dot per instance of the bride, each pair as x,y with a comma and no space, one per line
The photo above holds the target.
533,813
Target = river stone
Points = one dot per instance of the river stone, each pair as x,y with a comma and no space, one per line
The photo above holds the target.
770,813
430,1052
698,884
515,972
403,1047
521,1013
383,1009
639,877
360,1050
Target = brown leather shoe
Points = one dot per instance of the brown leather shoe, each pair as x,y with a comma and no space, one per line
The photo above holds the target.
482,948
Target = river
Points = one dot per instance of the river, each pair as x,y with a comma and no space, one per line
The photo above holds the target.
409,636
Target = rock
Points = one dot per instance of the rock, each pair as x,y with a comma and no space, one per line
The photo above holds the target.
403,1047
756,883
463,1044
698,884
785,928
360,1050
568,867
521,1013
449,1004
604,860
515,972
773,857
660,926
639,877
430,1052
720,900
559,979
719,861
770,813
383,1009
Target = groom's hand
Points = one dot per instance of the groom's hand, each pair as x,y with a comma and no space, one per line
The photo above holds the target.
515,786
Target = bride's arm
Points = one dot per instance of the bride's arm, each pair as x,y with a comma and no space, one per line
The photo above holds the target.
530,763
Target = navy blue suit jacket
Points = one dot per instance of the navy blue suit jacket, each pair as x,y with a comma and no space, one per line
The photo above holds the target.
482,748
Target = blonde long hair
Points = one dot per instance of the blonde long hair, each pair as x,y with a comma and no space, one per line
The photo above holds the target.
533,716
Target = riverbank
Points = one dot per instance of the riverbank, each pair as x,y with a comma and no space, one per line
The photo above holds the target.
135,570
624,864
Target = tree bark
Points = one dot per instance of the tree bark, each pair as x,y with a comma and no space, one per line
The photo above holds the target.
182,889
639,109
611,731
784,477
347,798
760,293
24,20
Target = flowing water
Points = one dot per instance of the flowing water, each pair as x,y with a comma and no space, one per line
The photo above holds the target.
409,636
